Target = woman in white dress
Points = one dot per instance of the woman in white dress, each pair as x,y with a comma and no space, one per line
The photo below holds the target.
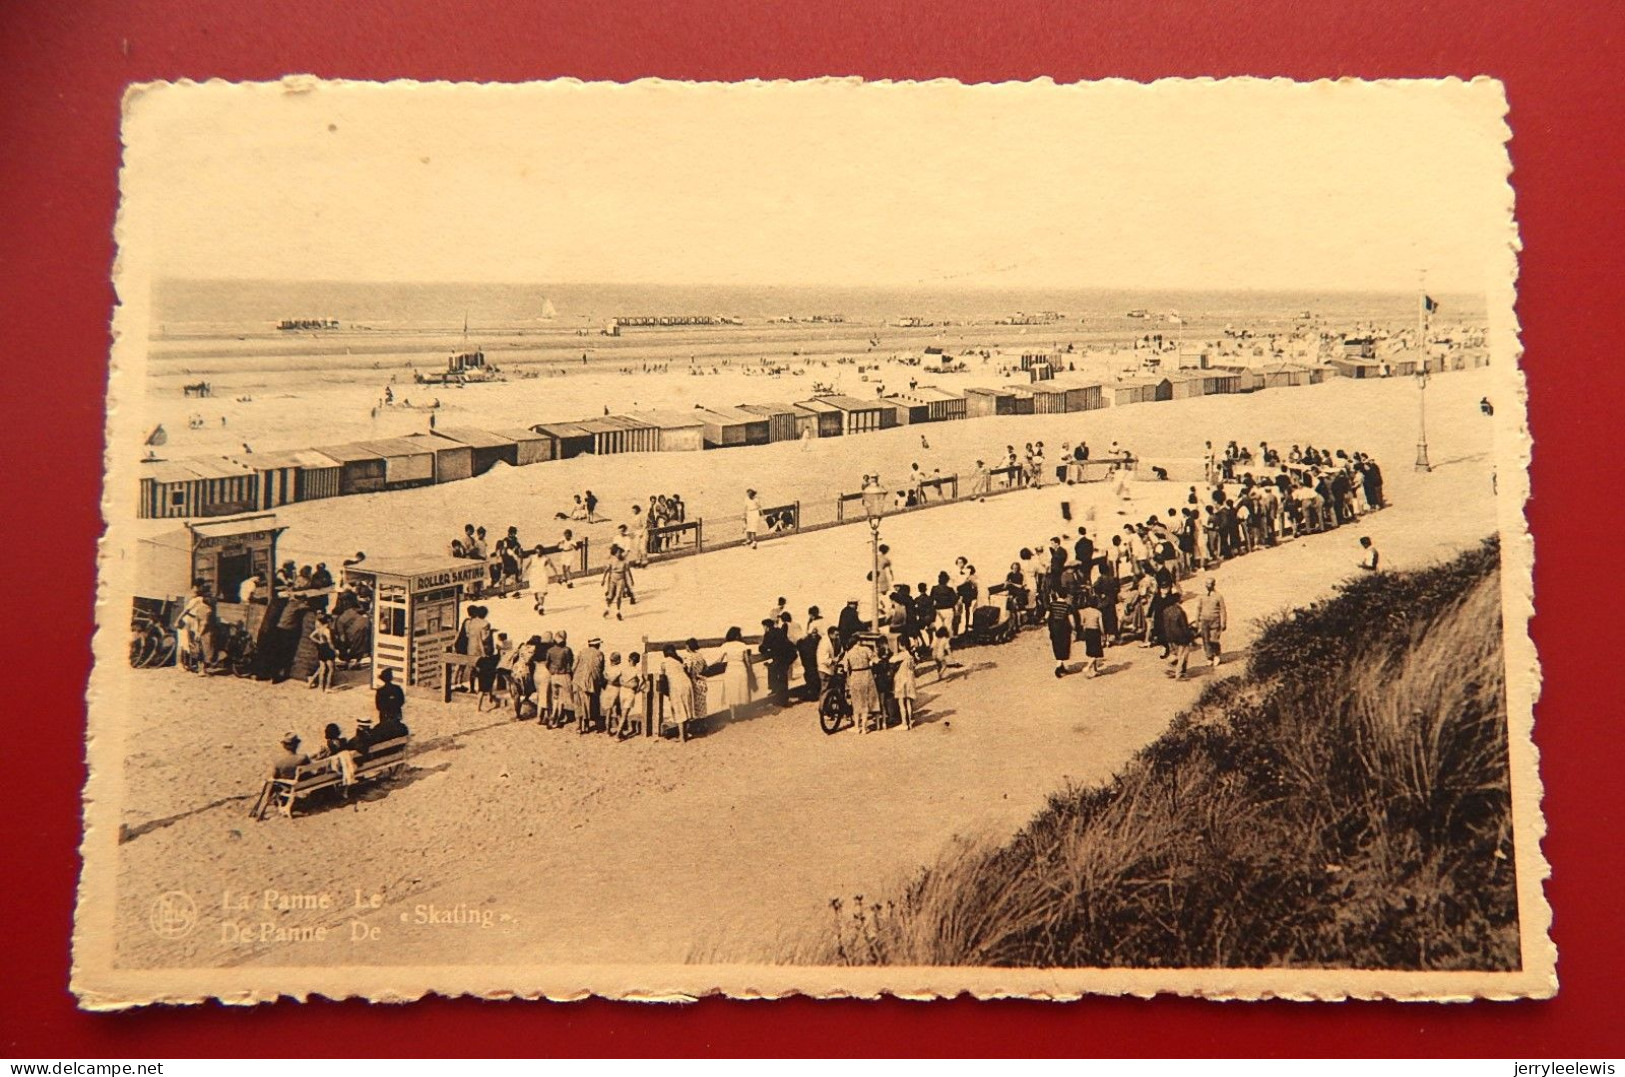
753,518
735,682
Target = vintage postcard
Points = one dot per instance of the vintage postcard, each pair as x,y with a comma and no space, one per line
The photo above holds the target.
665,539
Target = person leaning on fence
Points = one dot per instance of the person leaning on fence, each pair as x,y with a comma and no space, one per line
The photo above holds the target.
676,691
587,681
781,655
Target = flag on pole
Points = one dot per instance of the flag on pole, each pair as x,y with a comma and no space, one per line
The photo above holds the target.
1429,304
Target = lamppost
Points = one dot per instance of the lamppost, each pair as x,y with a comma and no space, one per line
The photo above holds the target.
874,506
1422,461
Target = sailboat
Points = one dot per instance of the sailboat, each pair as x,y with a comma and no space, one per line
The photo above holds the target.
549,311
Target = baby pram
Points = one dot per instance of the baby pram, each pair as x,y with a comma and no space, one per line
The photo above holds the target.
992,624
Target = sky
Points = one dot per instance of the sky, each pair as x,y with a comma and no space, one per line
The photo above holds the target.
1177,185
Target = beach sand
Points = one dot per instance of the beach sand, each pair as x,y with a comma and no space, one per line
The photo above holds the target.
586,850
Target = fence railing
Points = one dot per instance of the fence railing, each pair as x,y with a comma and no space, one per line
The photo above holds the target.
675,540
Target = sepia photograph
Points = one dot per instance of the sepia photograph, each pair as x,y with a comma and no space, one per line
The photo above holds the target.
663,539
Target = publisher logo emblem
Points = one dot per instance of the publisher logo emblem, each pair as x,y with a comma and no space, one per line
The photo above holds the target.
174,914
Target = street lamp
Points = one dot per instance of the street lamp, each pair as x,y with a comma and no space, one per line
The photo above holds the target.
874,506
1422,461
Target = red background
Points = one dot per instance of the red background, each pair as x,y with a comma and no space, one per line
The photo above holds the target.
62,69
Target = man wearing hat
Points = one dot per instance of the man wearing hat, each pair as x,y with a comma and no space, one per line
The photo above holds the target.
588,681
850,623
291,758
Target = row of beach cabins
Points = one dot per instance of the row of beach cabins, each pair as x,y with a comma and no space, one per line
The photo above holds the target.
249,482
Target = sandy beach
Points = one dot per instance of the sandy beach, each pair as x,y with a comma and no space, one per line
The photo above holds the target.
586,850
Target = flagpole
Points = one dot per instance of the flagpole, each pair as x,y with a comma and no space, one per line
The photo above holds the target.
1422,302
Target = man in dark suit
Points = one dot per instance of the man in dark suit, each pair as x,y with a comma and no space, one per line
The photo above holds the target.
780,654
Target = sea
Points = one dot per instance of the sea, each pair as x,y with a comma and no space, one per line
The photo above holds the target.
188,306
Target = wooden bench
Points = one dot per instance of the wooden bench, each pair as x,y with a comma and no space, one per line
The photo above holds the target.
385,757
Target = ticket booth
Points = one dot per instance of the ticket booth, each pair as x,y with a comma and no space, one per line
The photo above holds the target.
417,605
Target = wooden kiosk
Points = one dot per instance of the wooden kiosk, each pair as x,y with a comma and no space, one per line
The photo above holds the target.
417,606
221,553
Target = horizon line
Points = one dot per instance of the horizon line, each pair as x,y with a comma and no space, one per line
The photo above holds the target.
915,285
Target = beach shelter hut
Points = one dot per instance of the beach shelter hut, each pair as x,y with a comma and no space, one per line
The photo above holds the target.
945,405
1049,398
1356,368
569,440
1219,381
1182,385
1134,391
291,475
621,433
1044,358
361,469
452,459
864,416
529,446
909,412
1281,376
829,421
1082,395
727,427
407,461
1024,403
486,450
781,420
981,402
675,430
172,489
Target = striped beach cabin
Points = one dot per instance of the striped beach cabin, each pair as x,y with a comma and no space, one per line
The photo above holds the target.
829,421
292,475
1216,381
361,469
864,416
1049,397
622,433
453,460
675,430
408,461
782,424
727,428
529,446
1082,395
485,449
172,489
568,440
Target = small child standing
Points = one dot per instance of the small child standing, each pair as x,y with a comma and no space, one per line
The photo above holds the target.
941,650
322,637
903,685
632,692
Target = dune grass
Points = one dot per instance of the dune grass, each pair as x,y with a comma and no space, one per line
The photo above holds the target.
1344,803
